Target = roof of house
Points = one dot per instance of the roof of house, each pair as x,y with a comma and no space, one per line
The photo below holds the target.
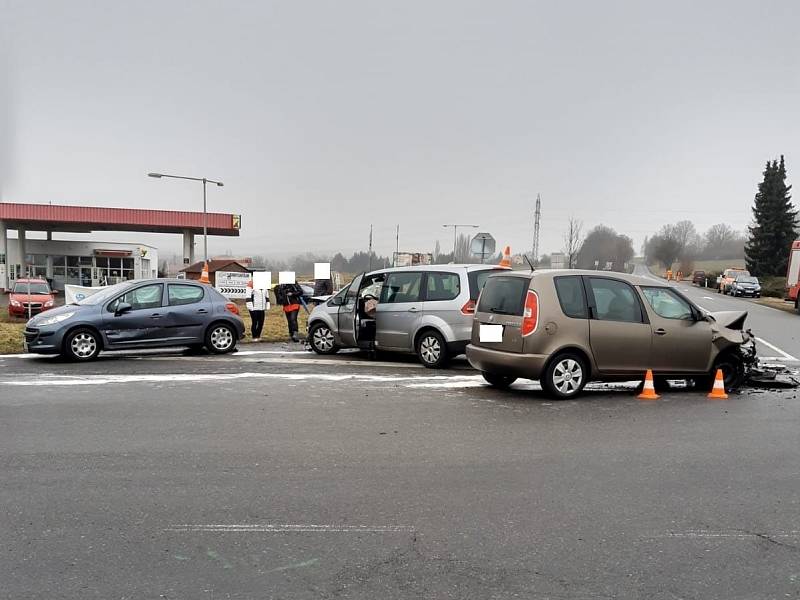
213,266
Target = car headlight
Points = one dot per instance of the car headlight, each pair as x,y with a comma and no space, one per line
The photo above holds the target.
48,304
55,319
15,302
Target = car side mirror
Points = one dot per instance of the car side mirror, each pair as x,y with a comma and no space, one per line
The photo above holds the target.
54,292
122,308
336,301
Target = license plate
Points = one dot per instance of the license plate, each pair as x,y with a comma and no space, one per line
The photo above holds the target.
491,333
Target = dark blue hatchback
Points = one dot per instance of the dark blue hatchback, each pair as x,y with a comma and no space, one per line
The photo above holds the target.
150,313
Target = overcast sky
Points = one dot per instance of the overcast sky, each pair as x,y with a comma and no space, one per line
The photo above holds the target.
324,117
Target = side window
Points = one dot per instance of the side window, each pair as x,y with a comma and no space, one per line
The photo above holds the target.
614,300
666,303
146,297
401,287
184,294
571,296
442,286
340,297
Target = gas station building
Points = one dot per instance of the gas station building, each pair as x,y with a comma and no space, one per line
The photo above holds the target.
92,263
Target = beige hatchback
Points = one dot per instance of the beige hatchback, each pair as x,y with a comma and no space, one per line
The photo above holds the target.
567,328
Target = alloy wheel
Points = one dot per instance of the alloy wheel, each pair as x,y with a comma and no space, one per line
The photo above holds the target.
83,345
323,339
567,376
221,338
430,350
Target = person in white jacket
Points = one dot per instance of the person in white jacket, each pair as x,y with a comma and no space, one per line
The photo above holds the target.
257,305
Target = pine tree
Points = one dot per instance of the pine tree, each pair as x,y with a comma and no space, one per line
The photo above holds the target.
774,223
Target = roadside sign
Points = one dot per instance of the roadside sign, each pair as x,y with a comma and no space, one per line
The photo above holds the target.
483,245
232,284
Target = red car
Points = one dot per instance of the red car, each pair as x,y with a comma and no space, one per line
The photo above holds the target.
33,292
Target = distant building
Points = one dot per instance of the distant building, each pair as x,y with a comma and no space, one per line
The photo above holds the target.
558,260
195,271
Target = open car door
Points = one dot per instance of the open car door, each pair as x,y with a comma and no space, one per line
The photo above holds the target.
348,313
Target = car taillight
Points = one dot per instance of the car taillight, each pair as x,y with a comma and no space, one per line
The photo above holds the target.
231,307
530,317
468,308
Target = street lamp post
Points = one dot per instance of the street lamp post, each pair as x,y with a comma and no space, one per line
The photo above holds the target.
455,234
205,212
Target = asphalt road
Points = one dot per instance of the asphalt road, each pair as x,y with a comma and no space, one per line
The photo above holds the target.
778,331
275,475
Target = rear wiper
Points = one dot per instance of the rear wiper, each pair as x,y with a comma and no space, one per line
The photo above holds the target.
498,311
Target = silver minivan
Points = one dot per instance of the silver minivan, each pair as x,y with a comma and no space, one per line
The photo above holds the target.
424,309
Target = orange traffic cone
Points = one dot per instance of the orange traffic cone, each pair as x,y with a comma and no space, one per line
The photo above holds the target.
506,260
649,390
204,274
718,391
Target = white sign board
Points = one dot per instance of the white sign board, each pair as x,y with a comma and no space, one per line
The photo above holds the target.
232,284
286,277
262,280
76,293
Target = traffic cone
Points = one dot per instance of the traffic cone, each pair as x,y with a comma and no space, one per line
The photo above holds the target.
506,260
649,390
718,391
204,274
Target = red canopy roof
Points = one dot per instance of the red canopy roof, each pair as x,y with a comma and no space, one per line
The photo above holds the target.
49,217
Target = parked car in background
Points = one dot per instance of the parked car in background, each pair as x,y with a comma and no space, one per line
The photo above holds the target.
728,277
30,297
425,309
566,328
699,278
745,285
146,313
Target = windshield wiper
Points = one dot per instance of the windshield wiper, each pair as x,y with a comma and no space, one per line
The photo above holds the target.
499,311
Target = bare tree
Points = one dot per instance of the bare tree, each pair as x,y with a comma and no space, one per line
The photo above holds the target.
572,242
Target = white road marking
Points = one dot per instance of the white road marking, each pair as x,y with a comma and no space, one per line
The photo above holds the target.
251,352
78,380
707,298
291,528
407,381
739,535
785,355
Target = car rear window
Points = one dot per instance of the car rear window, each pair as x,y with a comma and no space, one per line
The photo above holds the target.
477,279
571,296
504,295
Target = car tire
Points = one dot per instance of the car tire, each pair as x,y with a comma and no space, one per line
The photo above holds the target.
82,345
321,340
498,381
432,349
220,338
558,379
732,372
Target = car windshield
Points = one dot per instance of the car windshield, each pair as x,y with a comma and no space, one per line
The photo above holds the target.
31,288
104,294
746,280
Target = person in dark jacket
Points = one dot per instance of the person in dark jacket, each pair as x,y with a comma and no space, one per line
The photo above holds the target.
289,297
322,287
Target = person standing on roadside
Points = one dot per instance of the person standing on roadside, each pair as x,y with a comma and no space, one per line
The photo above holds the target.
322,287
288,296
257,305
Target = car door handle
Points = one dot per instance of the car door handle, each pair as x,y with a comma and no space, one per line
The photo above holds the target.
660,331
413,309
202,311
155,316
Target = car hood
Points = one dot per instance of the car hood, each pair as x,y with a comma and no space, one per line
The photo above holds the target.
730,319
53,312
35,297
